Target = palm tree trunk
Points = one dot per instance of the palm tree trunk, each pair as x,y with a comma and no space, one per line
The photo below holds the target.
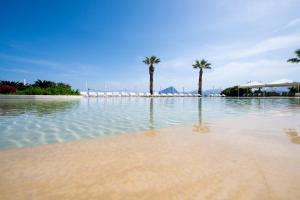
200,82
151,70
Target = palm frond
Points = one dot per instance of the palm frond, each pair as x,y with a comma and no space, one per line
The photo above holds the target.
297,52
146,61
157,61
202,64
195,66
151,60
294,60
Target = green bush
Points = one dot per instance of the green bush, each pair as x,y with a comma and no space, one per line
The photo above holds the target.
41,88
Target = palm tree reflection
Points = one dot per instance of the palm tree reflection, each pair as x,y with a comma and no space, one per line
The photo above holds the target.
293,134
200,127
151,132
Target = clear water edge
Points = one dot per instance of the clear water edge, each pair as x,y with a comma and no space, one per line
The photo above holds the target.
25,123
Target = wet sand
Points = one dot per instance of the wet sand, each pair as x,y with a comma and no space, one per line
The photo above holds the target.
248,158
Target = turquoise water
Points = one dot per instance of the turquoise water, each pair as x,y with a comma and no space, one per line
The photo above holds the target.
34,122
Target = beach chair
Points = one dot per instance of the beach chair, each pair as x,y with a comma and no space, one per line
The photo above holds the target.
116,94
100,94
124,94
109,94
84,94
92,94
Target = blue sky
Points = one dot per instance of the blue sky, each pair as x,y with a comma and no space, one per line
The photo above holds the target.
104,42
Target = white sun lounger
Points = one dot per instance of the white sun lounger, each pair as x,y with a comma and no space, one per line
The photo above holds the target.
92,94
100,94
83,94
124,94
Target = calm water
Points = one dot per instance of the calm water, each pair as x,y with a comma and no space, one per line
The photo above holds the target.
34,122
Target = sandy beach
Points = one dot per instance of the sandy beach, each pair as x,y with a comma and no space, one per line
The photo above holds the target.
198,161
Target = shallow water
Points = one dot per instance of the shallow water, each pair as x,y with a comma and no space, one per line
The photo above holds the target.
176,148
33,122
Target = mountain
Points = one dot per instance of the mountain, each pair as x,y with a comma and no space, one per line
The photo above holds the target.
171,90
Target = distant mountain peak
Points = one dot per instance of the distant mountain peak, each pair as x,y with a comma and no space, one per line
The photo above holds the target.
170,89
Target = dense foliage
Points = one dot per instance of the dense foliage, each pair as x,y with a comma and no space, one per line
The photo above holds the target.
297,59
233,91
39,87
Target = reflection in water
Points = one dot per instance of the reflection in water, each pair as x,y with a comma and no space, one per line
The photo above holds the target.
293,134
34,122
151,132
38,107
200,127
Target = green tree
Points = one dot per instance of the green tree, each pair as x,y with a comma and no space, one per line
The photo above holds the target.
44,84
297,59
38,88
151,61
201,65
234,91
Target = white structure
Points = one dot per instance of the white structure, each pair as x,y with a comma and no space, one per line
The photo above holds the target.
254,84
277,83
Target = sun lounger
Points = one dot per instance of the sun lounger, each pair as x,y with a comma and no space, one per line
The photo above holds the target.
100,94
92,94
83,94
124,94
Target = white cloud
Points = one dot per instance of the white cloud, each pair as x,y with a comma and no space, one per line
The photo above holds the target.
256,10
294,22
233,64
16,70
71,67
34,61
238,72
269,44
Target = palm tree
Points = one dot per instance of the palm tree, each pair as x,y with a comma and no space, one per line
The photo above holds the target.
295,60
203,64
151,61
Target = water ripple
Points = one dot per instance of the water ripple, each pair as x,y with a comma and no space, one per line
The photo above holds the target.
31,122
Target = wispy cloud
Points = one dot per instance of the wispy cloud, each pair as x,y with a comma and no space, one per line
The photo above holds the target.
269,44
17,70
234,64
294,22
228,53
255,11
70,67
259,70
35,61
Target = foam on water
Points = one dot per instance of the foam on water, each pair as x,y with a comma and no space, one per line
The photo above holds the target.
34,122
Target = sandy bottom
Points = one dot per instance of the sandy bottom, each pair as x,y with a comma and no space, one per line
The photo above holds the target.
232,159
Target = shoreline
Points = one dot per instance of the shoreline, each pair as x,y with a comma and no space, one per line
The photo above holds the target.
198,161
40,97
